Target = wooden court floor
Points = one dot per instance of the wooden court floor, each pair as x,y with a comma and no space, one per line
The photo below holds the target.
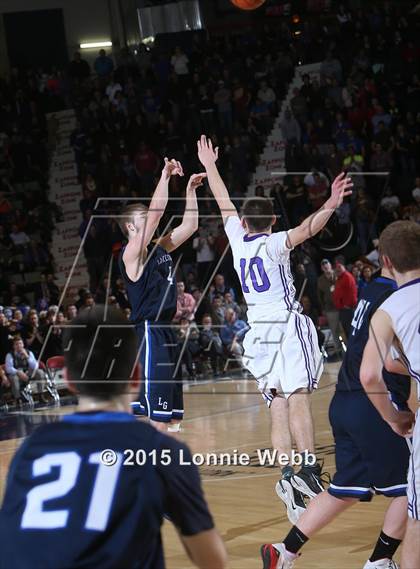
229,415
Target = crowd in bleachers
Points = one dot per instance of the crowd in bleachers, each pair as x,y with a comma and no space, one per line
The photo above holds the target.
362,115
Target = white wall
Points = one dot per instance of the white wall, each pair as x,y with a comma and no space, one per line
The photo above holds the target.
84,20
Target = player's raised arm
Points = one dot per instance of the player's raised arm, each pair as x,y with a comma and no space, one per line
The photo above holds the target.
208,157
375,355
189,224
341,188
144,222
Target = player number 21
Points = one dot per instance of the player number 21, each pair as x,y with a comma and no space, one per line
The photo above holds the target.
35,516
261,282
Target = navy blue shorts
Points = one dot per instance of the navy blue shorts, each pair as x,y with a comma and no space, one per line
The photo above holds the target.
370,458
161,396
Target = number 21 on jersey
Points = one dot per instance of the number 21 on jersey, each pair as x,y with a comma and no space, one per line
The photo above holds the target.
254,269
35,516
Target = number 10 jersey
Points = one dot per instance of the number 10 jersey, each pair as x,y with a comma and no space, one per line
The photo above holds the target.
262,262
281,348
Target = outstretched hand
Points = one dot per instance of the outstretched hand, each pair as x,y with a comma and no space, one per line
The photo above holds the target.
206,153
172,168
195,181
340,189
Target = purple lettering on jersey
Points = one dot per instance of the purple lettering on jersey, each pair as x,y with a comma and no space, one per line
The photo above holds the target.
243,282
259,264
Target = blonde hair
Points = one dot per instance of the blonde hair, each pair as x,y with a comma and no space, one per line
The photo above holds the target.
127,215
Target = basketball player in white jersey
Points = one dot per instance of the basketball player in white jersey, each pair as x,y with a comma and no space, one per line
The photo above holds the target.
281,348
397,323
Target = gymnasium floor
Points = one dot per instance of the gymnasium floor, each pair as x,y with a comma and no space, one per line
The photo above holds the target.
223,416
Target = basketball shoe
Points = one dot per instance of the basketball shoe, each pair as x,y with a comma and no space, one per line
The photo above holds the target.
276,557
292,499
381,564
308,481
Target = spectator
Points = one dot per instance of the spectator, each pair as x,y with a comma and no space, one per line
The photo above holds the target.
232,334
189,345
345,297
33,334
21,367
18,238
179,62
223,102
366,278
95,249
202,304
290,128
79,68
211,343
185,304
103,64
331,68
71,312
267,95
4,385
312,313
204,244
120,294
326,286
317,189
296,201
219,287
230,303
218,309
112,90
4,336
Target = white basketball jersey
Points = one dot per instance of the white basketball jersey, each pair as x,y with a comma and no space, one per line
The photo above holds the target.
403,309
262,262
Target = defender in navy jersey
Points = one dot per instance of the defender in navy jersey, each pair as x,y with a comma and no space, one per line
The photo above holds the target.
370,458
396,324
70,505
149,275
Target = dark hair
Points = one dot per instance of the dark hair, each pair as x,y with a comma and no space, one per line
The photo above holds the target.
400,241
258,213
101,352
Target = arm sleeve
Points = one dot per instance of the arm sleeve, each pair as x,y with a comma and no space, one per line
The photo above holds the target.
276,246
32,361
185,502
9,367
233,228
241,333
225,335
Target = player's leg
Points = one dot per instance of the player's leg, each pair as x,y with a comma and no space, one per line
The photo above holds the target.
349,485
304,367
175,371
301,421
321,511
281,441
411,545
390,537
386,456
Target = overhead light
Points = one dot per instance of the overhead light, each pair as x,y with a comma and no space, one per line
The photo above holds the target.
93,44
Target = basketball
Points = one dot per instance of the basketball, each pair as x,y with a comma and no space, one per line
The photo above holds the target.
247,4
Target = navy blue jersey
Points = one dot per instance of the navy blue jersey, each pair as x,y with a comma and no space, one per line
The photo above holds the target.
349,375
64,509
153,295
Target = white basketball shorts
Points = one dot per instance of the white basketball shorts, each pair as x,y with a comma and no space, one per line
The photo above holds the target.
283,356
413,482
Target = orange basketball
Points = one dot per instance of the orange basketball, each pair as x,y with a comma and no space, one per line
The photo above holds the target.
247,4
